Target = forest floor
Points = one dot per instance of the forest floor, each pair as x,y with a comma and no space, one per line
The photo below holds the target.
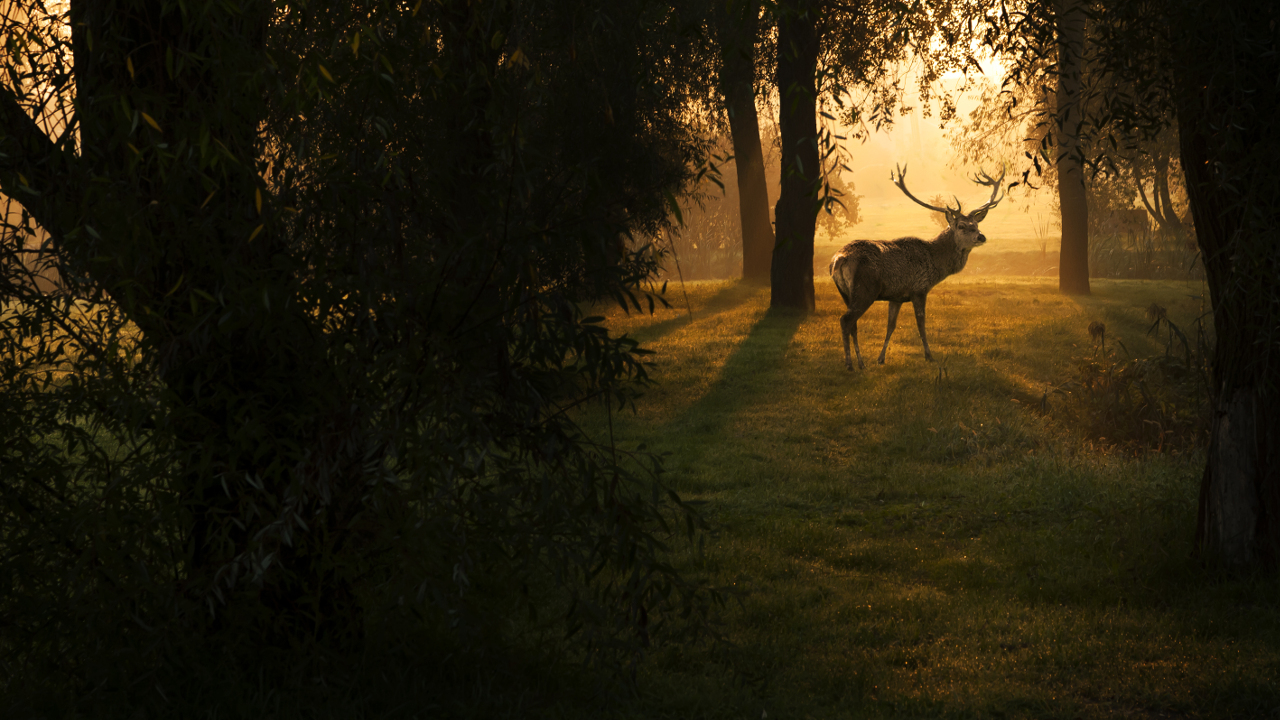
980,536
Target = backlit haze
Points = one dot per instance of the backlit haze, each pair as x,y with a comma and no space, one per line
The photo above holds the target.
1020,223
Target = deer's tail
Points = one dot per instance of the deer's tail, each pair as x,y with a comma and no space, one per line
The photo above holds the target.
842,269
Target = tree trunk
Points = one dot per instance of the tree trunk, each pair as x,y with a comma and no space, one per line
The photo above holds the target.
1073,263
1153,211
1227,117
739,24
1169,220
798,203
1160,206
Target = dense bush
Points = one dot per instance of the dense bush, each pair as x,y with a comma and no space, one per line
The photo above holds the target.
306,376
1159,403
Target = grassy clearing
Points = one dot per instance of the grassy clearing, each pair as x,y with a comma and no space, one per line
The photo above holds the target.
921,539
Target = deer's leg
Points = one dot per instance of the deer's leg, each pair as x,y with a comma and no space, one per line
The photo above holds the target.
893,322
918,303
858,304
849,327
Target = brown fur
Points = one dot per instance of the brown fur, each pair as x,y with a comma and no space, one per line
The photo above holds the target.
898,271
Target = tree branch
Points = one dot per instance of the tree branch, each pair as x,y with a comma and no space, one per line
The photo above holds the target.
33,168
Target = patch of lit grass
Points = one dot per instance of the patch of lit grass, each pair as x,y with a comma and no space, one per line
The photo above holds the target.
936,539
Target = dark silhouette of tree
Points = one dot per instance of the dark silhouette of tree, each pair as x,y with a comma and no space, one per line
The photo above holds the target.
319,325
1224,60
800,198
1073,263
739,23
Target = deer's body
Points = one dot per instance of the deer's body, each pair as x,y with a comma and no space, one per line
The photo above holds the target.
897,269
902,270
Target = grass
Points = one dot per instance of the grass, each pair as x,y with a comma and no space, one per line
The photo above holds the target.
933,540
926,539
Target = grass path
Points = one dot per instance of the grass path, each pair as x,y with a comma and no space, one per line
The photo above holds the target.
920,539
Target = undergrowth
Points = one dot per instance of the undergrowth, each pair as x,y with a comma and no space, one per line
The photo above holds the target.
1154,403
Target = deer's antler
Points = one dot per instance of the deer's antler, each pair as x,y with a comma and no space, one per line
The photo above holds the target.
901,182
982,178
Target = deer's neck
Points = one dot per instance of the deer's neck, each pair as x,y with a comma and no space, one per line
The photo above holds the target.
948,258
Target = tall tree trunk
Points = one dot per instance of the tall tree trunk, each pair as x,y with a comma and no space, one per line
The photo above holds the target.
1227,119
1073,263
739,25
798,203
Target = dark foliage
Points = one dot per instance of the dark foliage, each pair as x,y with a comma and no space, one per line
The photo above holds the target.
1142,404
308,368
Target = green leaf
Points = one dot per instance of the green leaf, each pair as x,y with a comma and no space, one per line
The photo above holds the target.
673,206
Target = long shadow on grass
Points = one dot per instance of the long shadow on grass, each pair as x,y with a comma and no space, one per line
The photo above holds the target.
725,299
751,372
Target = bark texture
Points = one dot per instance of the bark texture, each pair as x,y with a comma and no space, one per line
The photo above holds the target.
1073,265
1227,121
739,26
1230,507
798,202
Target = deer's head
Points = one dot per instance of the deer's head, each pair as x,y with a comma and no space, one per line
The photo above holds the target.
964,226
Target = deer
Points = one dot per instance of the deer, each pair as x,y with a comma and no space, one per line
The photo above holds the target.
896,271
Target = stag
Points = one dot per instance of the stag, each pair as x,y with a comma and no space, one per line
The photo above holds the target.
907,268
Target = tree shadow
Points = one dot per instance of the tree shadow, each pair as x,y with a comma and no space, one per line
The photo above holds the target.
752,371
724,300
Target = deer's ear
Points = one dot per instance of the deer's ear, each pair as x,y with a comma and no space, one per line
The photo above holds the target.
978,215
